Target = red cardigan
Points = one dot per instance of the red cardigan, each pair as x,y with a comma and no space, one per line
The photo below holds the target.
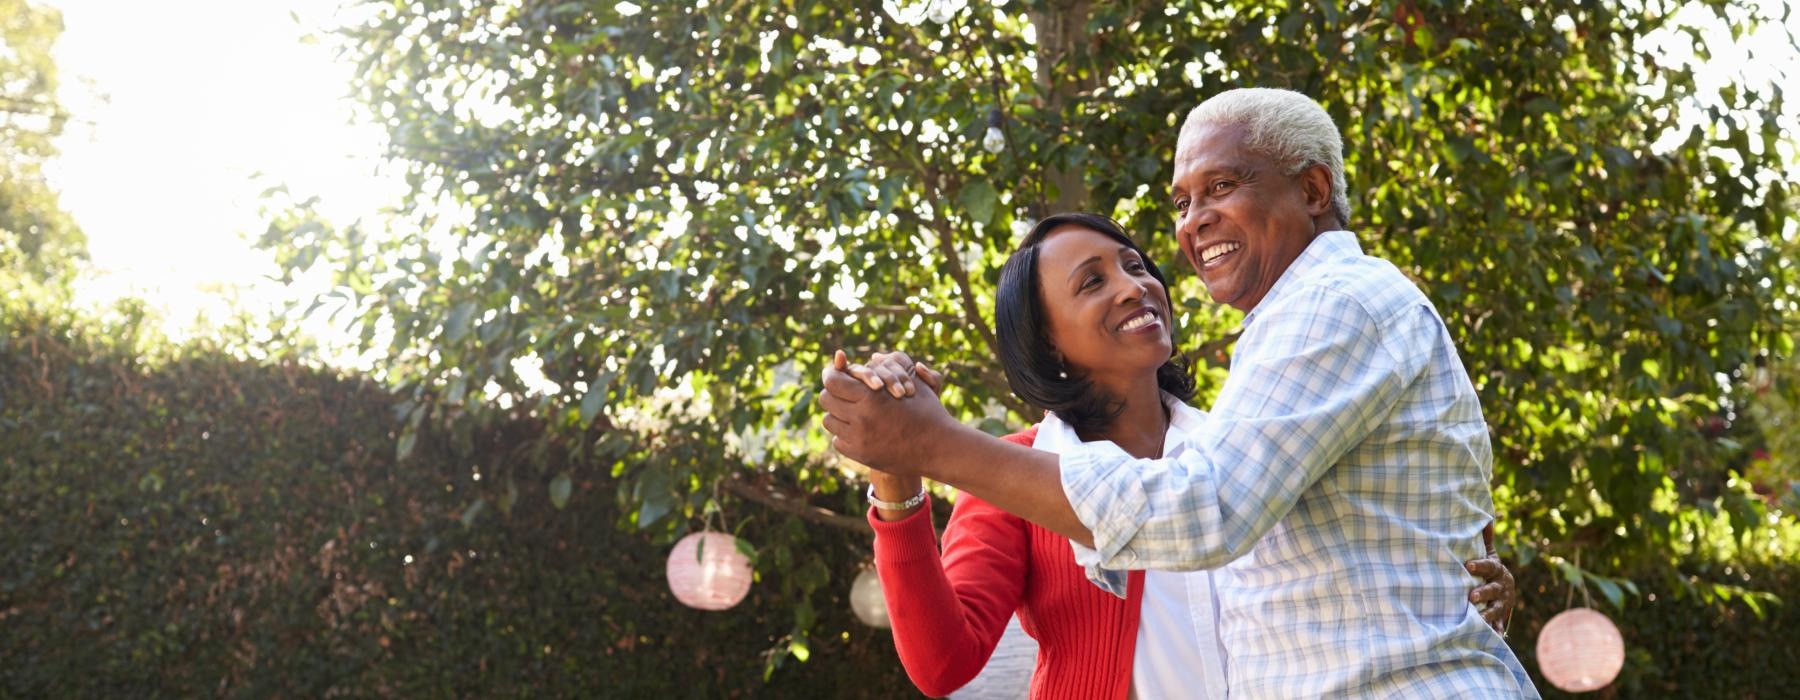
949,609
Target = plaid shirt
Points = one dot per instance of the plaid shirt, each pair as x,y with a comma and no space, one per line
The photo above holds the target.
1338,485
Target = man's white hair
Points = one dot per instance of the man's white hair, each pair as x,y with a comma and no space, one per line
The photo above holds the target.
1285,126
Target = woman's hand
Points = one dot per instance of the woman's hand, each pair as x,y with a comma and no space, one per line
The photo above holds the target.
1498,595
895,372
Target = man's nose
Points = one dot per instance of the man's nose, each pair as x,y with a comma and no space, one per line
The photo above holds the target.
1196,219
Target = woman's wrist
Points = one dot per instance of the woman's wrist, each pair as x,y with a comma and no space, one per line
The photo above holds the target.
896,490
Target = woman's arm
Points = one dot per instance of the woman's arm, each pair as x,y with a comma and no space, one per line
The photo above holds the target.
950,608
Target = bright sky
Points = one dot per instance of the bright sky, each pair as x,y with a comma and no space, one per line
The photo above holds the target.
179,104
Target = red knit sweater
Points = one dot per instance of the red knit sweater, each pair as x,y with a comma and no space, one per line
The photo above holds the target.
949,609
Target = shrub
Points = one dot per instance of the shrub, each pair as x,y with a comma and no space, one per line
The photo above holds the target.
212,526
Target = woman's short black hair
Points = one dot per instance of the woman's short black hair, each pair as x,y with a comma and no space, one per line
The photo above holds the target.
1033,369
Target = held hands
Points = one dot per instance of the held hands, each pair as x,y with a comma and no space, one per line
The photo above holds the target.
893,435
894,372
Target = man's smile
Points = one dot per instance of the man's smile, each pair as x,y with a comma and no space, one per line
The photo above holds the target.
1212,255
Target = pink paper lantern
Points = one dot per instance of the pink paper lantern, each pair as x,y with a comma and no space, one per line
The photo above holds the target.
707,571
1580,650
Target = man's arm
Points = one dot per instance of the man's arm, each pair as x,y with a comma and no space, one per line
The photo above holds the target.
1307,386
1310,381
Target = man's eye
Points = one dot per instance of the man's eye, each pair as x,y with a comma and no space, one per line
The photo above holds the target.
1181,205
1221,186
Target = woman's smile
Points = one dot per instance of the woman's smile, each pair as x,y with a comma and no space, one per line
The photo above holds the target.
1145,320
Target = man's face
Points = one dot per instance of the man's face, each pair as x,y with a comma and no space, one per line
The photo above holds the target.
1239,220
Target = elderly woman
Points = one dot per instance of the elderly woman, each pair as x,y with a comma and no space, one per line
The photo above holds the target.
1086,333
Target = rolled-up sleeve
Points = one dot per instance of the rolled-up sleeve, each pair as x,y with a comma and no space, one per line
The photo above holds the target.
1312,378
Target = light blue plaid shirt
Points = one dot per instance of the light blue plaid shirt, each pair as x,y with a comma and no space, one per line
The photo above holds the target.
1338,485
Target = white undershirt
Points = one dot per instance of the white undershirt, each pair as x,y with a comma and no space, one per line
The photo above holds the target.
1178,648
1180,653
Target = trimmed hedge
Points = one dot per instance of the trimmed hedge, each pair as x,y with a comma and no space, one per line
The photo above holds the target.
220,527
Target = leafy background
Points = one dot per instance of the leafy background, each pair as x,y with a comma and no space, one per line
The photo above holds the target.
635,231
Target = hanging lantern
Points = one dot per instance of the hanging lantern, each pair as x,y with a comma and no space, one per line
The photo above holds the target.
866,600
1580,650
995,140
707,571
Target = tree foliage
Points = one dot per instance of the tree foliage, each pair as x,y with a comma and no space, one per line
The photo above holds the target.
38,240
675,211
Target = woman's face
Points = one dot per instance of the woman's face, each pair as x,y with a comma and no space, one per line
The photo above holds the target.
1108,317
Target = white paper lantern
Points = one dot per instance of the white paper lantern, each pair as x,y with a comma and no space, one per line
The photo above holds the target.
713,576
1580,650
867,601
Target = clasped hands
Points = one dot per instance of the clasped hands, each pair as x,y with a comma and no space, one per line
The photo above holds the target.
884,413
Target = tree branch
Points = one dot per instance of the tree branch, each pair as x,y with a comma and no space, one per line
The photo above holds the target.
1212,351
785,501
965,291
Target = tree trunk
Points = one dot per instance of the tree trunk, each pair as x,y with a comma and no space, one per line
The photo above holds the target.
1061,27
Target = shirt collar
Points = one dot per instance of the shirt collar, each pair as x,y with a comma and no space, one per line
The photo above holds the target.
1056,436
1326,247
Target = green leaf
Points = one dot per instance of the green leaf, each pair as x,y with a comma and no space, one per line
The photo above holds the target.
1610,590
594,401
508,497
979,199
799,649
457,324
656,505
560,489
472,512
891,188
404,446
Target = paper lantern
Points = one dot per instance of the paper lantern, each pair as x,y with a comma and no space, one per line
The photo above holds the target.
1580,650
707,571
866,600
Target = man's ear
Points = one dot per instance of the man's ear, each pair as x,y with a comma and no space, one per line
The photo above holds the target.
1315,186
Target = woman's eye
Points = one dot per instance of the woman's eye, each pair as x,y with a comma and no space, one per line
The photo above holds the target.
1091,281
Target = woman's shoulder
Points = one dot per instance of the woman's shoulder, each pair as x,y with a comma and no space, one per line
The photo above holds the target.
1024,437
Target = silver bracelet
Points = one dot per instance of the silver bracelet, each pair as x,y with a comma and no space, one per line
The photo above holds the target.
890,505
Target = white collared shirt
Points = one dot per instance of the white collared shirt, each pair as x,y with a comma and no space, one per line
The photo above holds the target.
1180,652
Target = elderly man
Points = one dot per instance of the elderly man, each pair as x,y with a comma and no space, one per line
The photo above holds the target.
1342,475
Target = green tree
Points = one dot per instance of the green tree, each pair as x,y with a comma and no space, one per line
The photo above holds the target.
675,211
38,240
